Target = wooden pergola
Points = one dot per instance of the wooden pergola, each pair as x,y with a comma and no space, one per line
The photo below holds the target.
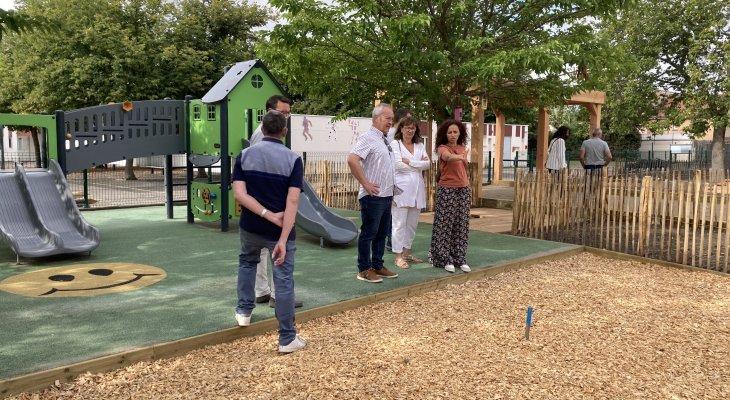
592,101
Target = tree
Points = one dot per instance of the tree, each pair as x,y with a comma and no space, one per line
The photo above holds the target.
14,22
117,50
436,56
676,53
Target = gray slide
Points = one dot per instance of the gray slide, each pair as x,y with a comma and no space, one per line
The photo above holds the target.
319,221
39,216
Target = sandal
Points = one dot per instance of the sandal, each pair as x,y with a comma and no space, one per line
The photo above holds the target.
413,259
402,263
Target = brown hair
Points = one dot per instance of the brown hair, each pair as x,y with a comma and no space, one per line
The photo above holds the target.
408,121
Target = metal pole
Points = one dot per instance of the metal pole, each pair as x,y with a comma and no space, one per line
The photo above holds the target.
188,164
86,188
2,149
489,170
225,165
168,186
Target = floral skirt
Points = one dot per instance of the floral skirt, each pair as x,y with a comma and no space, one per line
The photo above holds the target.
450,236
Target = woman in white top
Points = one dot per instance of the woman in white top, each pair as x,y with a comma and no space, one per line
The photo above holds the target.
556,151
411,159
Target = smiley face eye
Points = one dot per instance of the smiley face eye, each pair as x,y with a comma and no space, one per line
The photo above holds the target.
61,278
101,272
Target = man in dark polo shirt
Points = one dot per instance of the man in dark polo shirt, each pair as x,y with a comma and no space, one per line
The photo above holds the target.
267,181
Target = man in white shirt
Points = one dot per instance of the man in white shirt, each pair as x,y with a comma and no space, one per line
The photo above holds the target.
264,289
371,162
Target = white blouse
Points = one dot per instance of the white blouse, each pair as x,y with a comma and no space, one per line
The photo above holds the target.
409,177
556,155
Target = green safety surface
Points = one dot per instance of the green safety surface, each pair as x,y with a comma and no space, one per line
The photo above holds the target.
198,293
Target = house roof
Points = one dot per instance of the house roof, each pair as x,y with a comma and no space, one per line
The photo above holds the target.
233,77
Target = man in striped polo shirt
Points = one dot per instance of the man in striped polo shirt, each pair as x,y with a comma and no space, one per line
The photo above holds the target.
371,162
267,181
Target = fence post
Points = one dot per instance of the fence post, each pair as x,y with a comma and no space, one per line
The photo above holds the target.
169,194
491,169
86,188
517,159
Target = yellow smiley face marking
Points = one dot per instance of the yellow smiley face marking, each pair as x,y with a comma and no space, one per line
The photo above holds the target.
83,280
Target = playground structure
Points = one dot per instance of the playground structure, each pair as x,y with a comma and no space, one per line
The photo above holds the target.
210,130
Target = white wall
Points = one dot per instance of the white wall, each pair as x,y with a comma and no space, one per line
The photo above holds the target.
320,134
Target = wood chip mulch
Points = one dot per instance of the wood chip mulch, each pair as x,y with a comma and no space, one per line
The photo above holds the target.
602,328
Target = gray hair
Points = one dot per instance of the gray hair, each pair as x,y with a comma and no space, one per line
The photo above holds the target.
378,110
597,132
273,123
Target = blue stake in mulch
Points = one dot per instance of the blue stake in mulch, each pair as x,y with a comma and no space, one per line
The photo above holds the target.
528,323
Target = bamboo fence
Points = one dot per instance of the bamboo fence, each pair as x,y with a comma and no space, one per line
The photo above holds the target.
662,217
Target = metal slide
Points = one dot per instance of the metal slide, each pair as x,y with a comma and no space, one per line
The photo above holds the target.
39,216
319,221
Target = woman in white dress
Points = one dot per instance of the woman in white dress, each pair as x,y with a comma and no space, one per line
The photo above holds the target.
556,151
411,159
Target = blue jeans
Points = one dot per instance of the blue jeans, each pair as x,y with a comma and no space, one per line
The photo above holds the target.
375,215
251,245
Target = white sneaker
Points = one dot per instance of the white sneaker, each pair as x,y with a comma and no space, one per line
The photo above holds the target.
243,320
465,268
297,344
450,268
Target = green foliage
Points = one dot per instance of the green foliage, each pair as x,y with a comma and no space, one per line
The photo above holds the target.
675,66
436,56
13,22
115,50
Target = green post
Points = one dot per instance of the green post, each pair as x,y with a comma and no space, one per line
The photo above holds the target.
489,168
86,188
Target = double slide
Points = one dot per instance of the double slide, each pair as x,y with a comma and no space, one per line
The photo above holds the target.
39,216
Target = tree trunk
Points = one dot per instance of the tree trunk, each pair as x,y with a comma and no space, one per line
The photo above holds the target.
717,170
129,170
36,146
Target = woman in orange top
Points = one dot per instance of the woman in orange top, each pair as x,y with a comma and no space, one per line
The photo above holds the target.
453,199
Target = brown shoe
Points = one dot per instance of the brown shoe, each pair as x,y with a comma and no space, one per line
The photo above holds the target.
369,275
385,273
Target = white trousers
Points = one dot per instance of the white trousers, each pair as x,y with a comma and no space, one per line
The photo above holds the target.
262,276
405,221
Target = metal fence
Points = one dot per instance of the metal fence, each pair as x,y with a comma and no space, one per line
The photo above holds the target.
628,161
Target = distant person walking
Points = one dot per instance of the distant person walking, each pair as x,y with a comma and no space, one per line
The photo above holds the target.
371,162
594,152
267,182
450,236
411,159
556,160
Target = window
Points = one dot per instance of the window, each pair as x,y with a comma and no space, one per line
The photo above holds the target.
196,112
211,112
257,81
259,115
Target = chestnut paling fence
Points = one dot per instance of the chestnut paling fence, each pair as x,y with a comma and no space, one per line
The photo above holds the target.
662,216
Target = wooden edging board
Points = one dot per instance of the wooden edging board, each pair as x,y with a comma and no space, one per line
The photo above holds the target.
629,257
43,379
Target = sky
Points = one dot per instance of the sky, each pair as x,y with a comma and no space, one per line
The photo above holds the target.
7,4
